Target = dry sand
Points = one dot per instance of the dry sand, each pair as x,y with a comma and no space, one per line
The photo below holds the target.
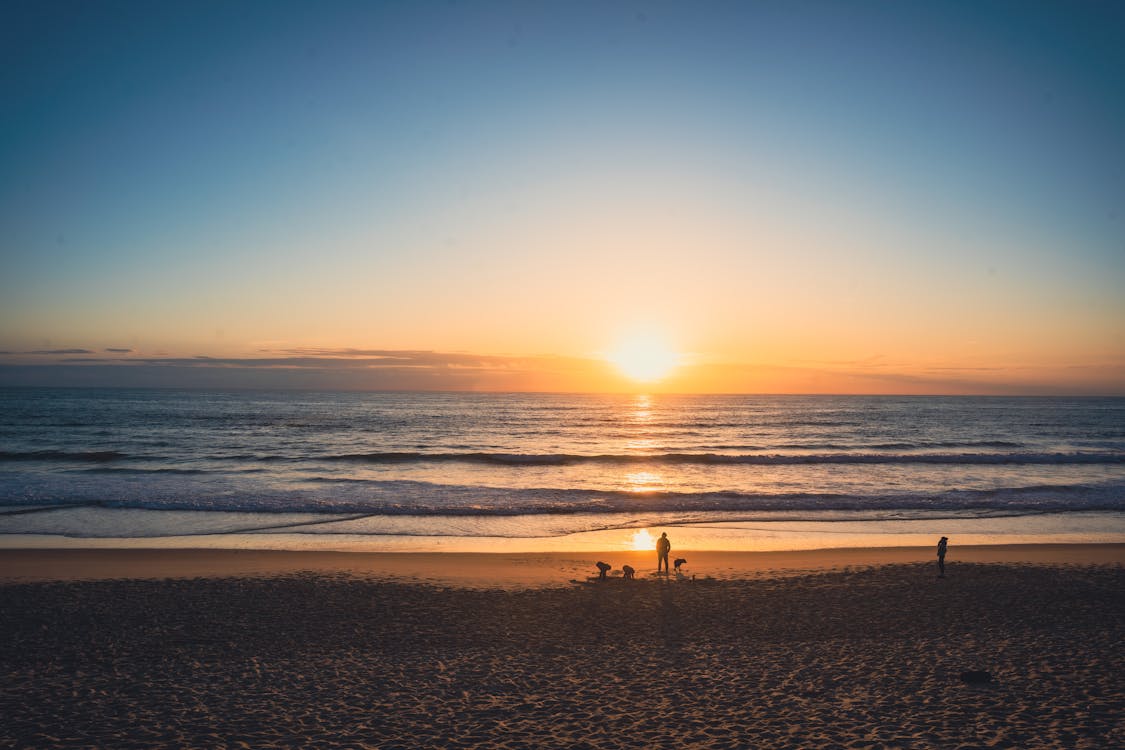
869,656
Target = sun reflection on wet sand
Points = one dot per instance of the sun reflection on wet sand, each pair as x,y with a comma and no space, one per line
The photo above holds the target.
643,540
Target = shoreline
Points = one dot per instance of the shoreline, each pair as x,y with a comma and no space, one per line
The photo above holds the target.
506,569
579,533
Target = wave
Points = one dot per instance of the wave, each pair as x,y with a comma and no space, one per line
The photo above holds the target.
157,471
405,498
900,446
774,459
829,454
51,455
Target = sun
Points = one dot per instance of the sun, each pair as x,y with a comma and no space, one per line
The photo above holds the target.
644,357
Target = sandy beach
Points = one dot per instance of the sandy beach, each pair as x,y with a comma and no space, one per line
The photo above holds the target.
846,649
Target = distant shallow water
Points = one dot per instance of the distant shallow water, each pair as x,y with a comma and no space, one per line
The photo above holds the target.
535,471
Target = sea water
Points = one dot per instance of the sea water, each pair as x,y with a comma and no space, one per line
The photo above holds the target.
532,471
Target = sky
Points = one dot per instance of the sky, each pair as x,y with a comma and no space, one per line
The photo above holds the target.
825,197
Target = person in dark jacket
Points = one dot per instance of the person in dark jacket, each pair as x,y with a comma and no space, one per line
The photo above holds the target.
663,547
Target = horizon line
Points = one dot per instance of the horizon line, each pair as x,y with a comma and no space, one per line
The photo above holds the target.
498,392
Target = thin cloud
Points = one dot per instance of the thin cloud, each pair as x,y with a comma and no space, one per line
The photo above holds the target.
59,351
344,352
1005,368
41,352
405,361
322,369
874,361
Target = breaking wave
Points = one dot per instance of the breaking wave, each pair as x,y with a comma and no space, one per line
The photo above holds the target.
774,459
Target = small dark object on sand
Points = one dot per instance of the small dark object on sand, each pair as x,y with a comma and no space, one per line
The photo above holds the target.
678,562
976,677
603,568
629,571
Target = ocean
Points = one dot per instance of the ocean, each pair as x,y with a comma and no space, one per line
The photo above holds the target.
468,471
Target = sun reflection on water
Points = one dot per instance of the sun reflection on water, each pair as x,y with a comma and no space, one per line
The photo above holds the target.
641,444
643,481
642,409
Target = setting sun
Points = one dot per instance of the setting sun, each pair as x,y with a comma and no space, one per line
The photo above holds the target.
644,357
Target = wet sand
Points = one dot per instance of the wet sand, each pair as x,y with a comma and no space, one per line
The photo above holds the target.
801,654
515,570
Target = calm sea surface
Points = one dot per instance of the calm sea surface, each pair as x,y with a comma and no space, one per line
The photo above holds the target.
157,464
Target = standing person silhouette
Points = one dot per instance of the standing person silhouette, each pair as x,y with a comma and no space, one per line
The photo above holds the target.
663,547
941,547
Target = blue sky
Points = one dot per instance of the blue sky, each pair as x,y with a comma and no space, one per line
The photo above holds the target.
931,186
